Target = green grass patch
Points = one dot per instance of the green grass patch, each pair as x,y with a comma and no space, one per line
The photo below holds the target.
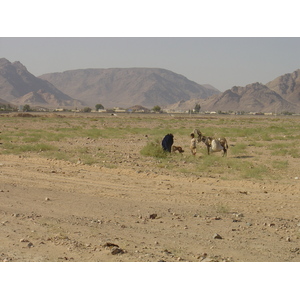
237,149
12,148
222,208
154,149
280,164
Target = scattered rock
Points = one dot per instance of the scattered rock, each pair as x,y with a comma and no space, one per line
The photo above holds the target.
288,239
217,236
202,256
110,245
30,245
244,192
117,250
239,215
24,241
153,216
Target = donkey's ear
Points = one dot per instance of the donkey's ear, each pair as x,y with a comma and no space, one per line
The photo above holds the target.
197,131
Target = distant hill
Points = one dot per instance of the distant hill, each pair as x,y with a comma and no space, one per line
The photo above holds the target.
16,81
279,95
253,97
287,86
138,108
44,99
3,102
142,88
128,87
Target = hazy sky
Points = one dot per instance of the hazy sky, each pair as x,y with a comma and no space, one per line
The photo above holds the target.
222,43
221,62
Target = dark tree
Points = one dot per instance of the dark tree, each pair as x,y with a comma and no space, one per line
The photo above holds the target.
197,108
99,106
156,108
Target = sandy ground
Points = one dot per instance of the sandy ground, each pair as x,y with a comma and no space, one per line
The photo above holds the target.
52,210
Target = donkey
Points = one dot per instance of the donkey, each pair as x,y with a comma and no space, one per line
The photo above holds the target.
212,144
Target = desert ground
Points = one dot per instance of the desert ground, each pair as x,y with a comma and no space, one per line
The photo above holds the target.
76,187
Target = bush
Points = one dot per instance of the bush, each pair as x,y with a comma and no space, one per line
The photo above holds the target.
154,149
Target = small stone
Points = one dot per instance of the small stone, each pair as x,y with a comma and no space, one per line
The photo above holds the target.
24,241
217,236
153,216
239,215
110,245
117,250
30,245
288,239
47,199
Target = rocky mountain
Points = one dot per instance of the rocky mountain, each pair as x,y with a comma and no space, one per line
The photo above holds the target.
3,102
287,86
280,95
16,81
142,87
45,99
128,87
253,97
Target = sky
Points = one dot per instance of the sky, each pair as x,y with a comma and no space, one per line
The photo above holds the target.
221,43
222,62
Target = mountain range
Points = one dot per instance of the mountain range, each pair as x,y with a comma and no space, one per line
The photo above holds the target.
127,87
19,87
145,87
279,95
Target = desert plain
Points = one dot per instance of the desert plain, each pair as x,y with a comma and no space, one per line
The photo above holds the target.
96,188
